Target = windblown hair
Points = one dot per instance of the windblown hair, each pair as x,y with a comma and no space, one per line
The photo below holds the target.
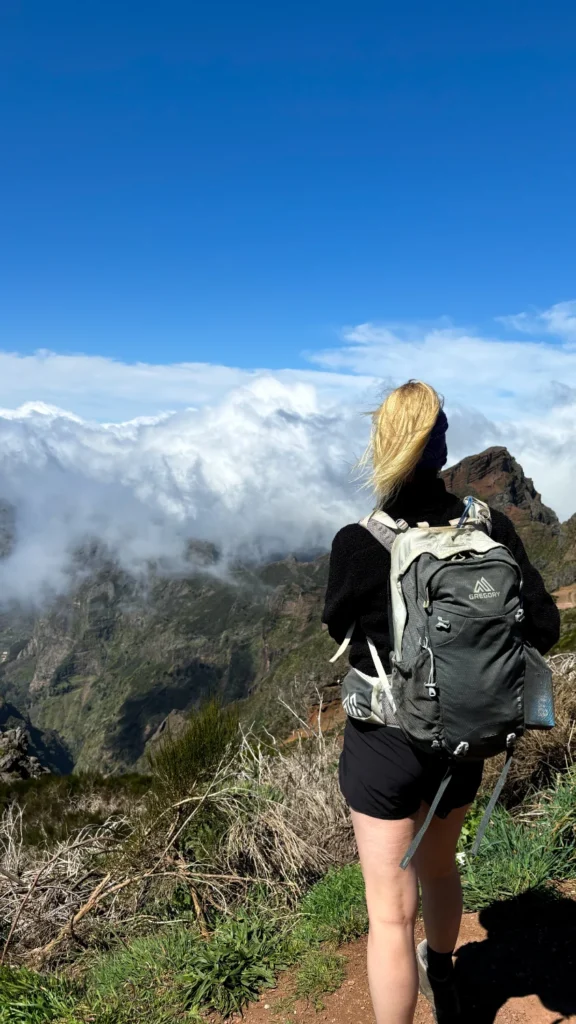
401,427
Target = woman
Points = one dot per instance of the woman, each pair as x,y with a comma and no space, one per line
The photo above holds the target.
389,784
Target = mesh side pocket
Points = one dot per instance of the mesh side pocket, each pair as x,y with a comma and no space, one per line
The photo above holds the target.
358,698
538,691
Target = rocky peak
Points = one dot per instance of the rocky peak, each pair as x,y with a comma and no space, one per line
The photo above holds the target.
496,477
15,760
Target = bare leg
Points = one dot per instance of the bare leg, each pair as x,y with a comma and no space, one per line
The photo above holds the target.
440,881
392,898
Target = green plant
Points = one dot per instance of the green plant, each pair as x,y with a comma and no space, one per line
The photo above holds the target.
470,826
143,964
523,852
240,960
30,998
320,973
335,908
56,806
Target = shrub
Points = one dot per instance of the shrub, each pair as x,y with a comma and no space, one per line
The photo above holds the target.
180,763
541,754
56,806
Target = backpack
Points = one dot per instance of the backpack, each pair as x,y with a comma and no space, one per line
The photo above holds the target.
464,684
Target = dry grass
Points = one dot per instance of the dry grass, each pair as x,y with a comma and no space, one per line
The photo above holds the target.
41,890
281,821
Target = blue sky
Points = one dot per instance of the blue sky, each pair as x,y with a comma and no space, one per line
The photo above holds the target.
236,182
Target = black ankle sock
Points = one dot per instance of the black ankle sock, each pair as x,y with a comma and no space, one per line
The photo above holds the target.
440,965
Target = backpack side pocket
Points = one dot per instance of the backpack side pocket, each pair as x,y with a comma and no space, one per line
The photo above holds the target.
417,704
538,691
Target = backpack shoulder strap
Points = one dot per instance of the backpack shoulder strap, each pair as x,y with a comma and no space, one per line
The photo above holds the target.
383,527
385,530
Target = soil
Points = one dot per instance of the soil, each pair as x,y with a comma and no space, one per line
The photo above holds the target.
515,966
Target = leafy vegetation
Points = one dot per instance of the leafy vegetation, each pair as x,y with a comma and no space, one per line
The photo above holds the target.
29,998
56,806
243,957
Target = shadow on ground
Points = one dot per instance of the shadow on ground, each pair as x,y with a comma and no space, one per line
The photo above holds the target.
530,949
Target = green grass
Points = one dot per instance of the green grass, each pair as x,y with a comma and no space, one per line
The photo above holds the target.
30,998
143,964
520,853
320,973
334,910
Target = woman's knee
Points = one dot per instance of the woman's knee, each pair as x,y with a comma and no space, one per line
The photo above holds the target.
394,903
382,916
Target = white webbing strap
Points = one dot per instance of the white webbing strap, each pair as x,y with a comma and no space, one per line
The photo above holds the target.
344,645
381,673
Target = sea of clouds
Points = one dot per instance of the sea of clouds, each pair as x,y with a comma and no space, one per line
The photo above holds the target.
144,457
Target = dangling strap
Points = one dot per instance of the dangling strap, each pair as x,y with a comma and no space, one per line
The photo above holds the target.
433,808
344,645
492,802
380,672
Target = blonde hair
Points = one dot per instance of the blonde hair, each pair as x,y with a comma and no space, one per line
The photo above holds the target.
401,427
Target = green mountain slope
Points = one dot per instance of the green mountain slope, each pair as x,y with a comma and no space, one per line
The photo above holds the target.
107,665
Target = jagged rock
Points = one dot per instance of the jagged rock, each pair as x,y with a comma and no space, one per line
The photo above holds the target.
15,760
496,477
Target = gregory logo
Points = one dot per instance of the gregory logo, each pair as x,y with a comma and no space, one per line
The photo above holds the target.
483,590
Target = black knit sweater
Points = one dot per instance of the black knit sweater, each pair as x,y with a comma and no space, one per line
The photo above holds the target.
360,567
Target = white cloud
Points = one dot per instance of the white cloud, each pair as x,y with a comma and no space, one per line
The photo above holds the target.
99,388
516,393
264,470
559,320
145,456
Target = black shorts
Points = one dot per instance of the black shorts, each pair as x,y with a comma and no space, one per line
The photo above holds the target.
383,776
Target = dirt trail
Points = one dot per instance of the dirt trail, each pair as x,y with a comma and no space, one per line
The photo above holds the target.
566,597
512,971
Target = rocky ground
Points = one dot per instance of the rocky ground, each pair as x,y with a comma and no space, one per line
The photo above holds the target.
510,972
